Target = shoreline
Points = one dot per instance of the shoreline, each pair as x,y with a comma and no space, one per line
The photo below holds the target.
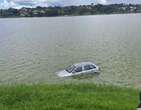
72,97
70,15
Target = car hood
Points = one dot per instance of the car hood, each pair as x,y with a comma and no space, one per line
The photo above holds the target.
63,73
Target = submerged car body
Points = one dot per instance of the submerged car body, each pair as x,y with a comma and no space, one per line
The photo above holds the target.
79,68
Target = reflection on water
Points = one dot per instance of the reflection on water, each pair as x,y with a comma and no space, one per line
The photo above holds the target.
32,50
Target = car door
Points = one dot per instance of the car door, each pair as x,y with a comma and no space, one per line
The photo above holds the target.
89,68
78,70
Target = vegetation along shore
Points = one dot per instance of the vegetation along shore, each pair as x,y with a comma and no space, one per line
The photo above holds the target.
91,9
67,97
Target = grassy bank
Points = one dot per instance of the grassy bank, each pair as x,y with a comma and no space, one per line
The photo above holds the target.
67,97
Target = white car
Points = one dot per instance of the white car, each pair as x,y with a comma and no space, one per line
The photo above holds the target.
79,68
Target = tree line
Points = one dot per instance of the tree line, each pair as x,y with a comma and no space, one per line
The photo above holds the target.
71,10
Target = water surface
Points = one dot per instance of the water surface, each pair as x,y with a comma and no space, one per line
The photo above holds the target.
32,50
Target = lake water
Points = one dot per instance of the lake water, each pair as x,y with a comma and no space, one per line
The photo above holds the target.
32,50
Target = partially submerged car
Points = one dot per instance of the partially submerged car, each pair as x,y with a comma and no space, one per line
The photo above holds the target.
78,69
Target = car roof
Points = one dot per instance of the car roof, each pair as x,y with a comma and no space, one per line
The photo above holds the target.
83,64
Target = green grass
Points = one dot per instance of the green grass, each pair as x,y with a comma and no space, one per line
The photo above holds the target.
67,97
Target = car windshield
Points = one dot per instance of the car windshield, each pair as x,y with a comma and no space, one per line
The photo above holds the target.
70,68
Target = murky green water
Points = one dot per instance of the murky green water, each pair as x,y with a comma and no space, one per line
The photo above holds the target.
33,49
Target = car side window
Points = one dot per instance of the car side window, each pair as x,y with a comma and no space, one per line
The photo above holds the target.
78,69
92,67
89,67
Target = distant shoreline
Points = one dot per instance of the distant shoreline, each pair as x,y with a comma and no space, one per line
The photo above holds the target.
71,15
81,10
